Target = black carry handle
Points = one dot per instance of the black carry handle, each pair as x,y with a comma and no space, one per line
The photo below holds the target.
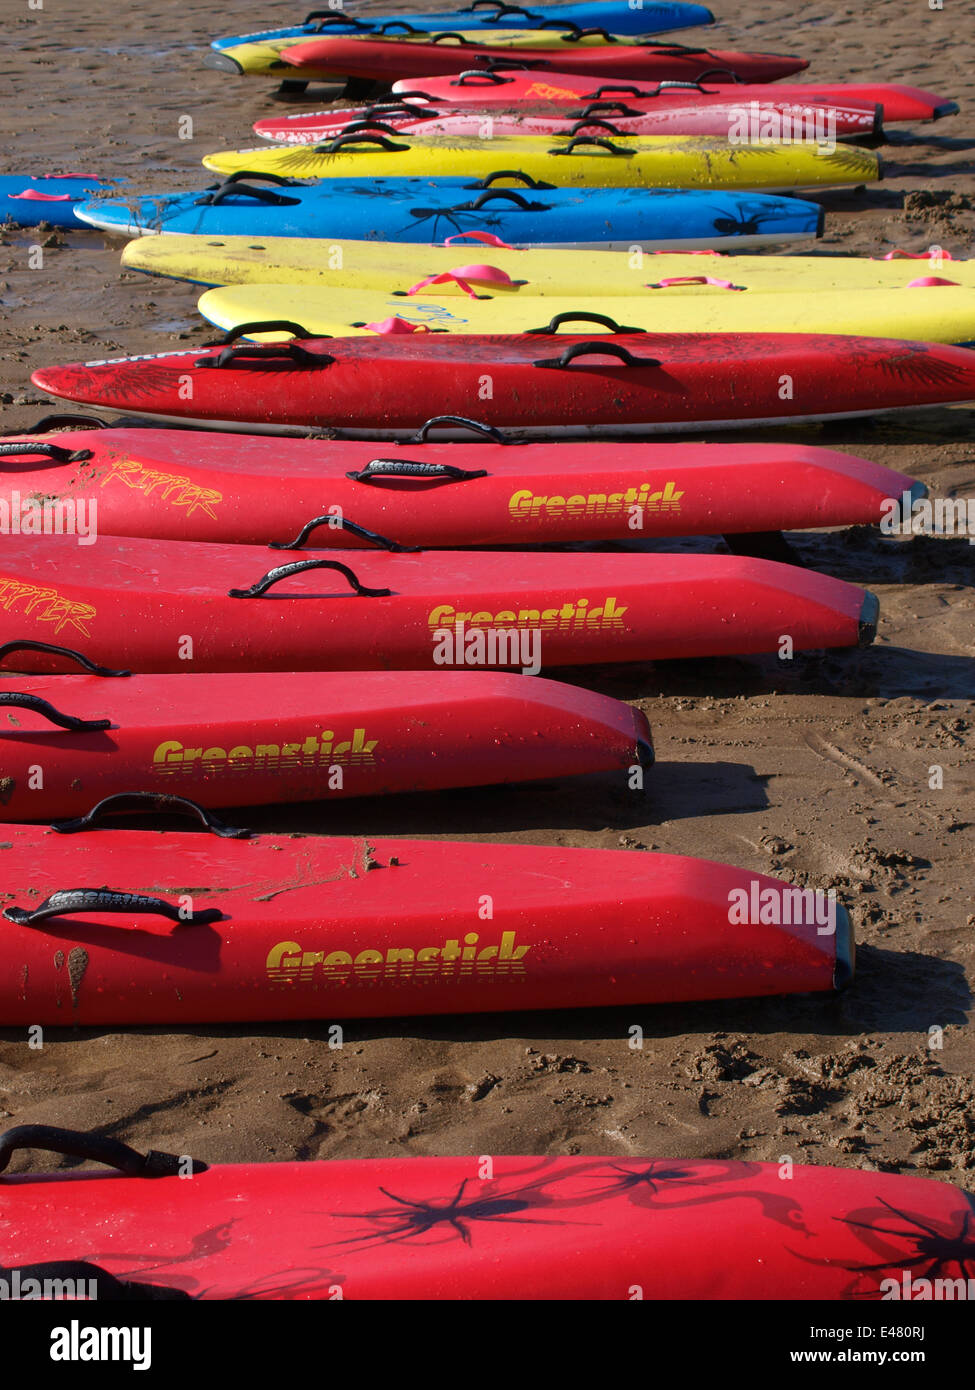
526,179
12,699
592,349
295,353
493,64
93,1148
594,123
233,184
567,24
238,175
340,141
48,451
715,73
477,426
477,78
618,108
49,423
390,25
329,17
240,330
71,902
299,567
627,88
371,123
672,82
453,34
149,801
49,649
398,108
83,1274
593,140
412,468
579,34
498,5
373,537
570,316
509,195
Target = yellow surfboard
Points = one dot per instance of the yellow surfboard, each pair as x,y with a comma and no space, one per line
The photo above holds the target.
660,161
263,57
398,266
942,314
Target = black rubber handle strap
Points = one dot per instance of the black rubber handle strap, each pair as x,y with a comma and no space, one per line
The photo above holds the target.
48,451
407,96
300,356
299,567
341,523
93,1148
498,5
149,801
477,426
571,316
240,330
590,34
578,140
452,34
692,86
567,24
64,422
398,108
233,185
370,123
493,195
330,18
593,123
49,649
261,176
72,902
618,108
12,699
493,64
341,141
713,74
476,78
82,1274
594,349
396,25
526,179
627,88
412,468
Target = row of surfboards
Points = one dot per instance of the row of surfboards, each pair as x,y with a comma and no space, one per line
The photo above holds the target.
191,524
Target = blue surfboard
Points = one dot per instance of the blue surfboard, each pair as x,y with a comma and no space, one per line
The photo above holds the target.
618,17
425,211
27,199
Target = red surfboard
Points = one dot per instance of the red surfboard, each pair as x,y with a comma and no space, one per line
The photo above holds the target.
175,606
692,114
205,486
227,740
437,1229
545,383
387,60
539,90
135,927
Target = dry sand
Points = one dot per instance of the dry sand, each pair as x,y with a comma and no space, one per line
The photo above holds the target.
818,772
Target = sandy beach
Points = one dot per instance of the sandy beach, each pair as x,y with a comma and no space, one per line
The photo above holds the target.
820,772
